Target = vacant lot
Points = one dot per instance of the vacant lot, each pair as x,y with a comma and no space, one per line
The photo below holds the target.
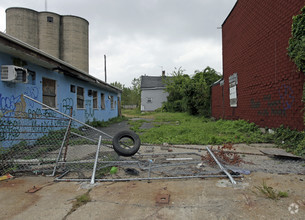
274,189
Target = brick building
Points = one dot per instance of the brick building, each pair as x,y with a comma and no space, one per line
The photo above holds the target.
260,83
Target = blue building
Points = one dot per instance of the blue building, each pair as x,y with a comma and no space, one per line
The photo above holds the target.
30,71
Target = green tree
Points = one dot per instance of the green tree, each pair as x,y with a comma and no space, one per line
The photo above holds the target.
198,93
296,48
176,86
118,85
130,95
136,91
190,95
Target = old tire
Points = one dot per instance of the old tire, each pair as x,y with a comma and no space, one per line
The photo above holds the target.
126,143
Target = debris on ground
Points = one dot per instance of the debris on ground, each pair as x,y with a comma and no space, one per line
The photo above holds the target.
280,153
228,158
5,177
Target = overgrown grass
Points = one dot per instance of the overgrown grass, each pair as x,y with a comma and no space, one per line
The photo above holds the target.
181,128
291,140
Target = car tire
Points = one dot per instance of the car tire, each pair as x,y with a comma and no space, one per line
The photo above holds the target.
124,149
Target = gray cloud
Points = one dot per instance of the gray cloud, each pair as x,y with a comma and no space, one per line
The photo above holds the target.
140,36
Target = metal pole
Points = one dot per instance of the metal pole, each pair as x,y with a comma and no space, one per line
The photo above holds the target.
96,158
34,100
105,68
61,148
221,167
139,179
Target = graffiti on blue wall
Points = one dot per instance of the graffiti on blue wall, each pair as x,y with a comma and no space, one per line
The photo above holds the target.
275,107
89,113
67,106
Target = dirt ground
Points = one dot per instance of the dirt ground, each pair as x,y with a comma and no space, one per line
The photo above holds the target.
213,198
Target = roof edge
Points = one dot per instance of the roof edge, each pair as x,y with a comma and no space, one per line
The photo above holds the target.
56,60
230,13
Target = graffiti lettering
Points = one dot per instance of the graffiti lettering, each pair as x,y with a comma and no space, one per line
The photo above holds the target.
9,130
89,113
67,105
275,107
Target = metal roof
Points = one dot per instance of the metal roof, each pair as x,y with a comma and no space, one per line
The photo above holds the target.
26,52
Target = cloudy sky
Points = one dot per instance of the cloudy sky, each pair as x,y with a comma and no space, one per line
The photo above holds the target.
144,36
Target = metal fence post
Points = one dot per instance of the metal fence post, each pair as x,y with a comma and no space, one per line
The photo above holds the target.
96,159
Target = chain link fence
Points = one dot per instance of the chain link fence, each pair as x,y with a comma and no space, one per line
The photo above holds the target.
40,141
51,142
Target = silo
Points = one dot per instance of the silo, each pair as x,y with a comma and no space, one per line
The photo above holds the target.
22,23
49,33
74,41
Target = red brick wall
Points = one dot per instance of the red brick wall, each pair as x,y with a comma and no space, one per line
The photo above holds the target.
217,101
269,91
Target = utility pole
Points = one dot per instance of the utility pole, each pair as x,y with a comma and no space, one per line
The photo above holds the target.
105,68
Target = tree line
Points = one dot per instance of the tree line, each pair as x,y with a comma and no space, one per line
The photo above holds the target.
185,93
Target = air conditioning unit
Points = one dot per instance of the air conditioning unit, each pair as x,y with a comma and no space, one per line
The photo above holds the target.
11,73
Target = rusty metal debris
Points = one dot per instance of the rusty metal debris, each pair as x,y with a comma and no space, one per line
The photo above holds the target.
226,157
221,167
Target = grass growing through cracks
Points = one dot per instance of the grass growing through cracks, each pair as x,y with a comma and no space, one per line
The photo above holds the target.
78,202
270,193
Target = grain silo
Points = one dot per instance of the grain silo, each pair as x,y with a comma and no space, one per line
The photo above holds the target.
64,37
49,33
74,41
22,23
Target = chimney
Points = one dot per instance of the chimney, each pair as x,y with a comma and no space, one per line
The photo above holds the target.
163,73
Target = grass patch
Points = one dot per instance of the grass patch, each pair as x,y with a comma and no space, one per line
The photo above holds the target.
269,192
291,140
181,128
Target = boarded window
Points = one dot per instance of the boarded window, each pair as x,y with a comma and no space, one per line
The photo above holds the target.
49,92
94,94
102,101
80,97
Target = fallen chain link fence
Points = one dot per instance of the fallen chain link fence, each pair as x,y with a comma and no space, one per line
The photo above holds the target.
52,143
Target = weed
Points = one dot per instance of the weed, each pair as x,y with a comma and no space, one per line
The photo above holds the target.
271,193
291,140
78,202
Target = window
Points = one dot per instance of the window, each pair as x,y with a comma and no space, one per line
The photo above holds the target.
102,101
149,100
94,93
80,97
49,92
112,102
72,88
50,19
